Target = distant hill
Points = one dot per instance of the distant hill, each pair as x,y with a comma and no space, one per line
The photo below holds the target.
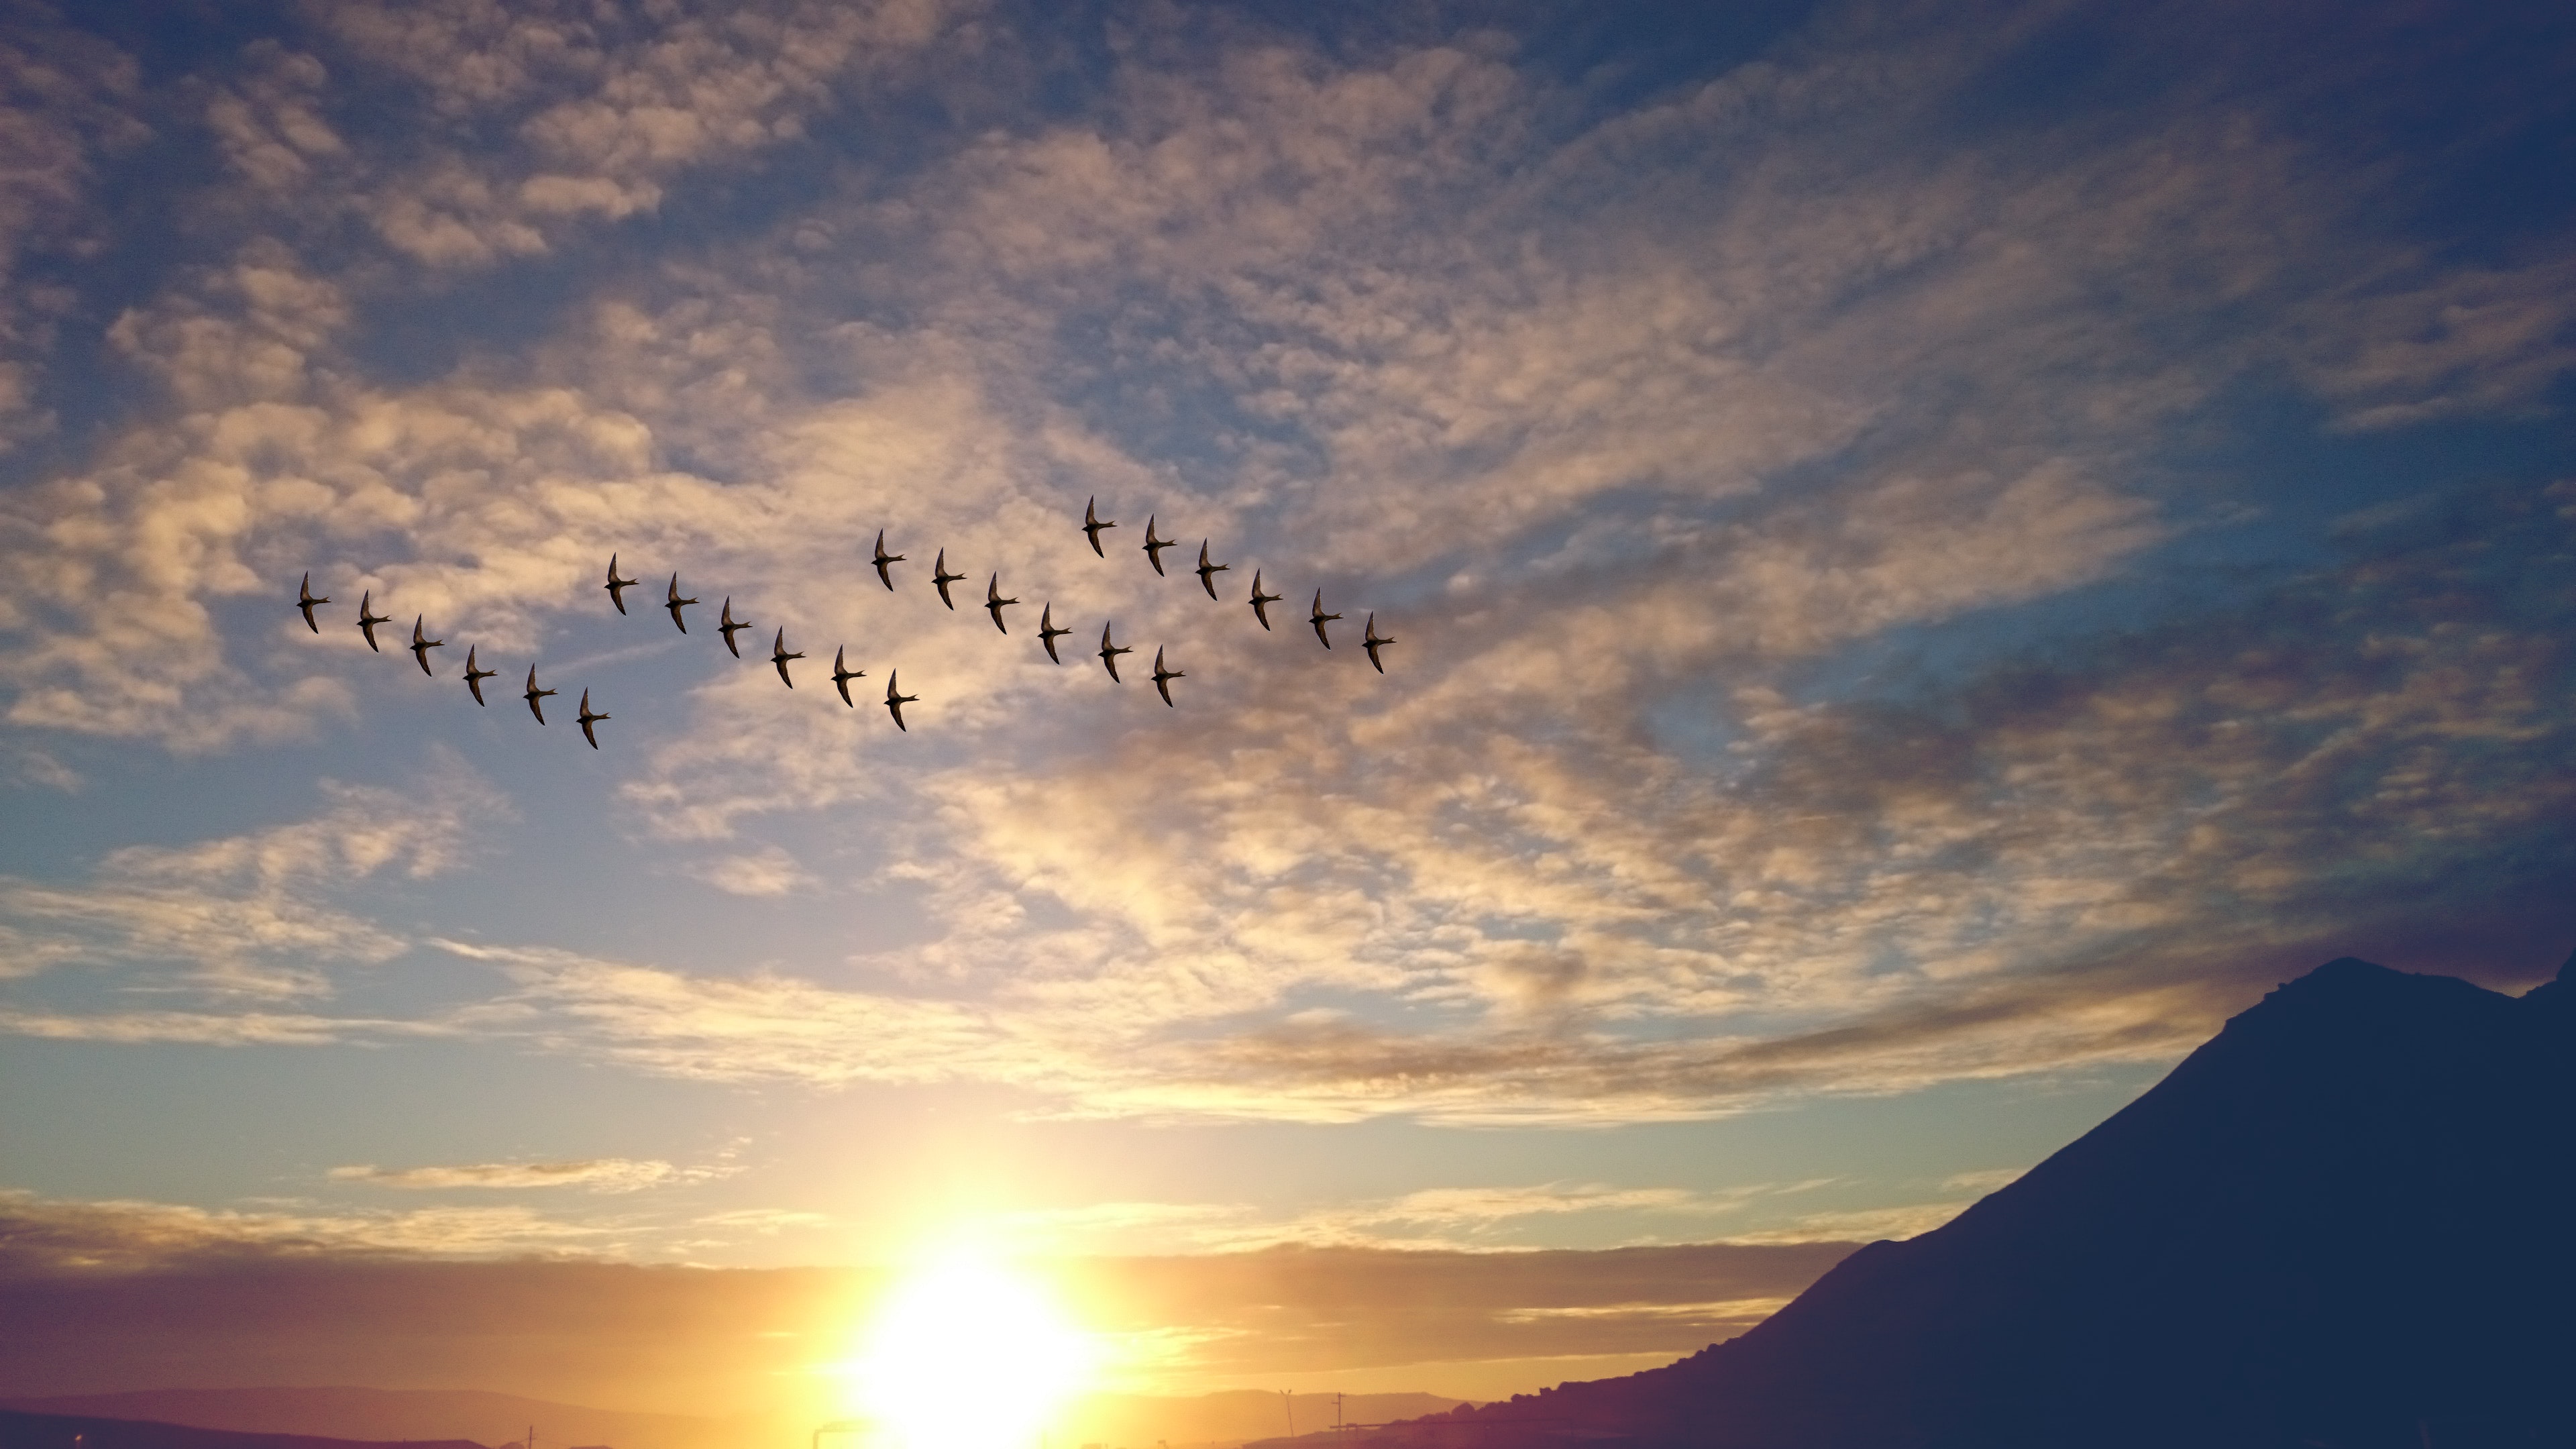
21,1430
1135,1421
1138,1421
2343,1222
417,1414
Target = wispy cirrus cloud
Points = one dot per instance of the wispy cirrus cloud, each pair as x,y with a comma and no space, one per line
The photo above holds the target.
595,1174
251,916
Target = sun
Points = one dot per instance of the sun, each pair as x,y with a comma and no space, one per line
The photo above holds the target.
966,1354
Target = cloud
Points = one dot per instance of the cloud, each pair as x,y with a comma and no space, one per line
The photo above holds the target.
53,1236
766,872
598,1174
601,111
1782,490
246,916
302,1297
68,103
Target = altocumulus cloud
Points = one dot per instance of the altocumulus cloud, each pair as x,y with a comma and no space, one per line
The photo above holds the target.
1646,429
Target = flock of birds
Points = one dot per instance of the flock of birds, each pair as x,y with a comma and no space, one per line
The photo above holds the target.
1093,525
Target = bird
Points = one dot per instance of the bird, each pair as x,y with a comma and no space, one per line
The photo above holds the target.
474,677
305,599
1048,633
842,674
588,719
1092,525
677,603
616,586
1261,601
1320,618
882,559
779,654
895,702
534,694
994,603
1109,654
1163,677
1372,643
940,575
367,622
1207,572
728,628
1154,546
421,646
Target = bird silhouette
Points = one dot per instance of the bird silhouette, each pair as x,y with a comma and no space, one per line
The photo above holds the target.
588,719
728,628
1091,525
305,599
895,702
1048,633
616,586
677,604
1163,677
1261,602
843,674
940,575
1320,618
535,694
421,646
1207,572
1109,654
882,559
1372,643
474,677
1154,546
367,622
994,603
779,654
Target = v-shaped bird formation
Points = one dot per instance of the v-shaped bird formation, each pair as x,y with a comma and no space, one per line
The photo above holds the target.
995,601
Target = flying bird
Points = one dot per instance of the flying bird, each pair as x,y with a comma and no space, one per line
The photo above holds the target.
305,599
367,622
842,675
1091,525
882,559
940,575
1261,601
616,586
1048,633
1163,677
994,603
779,654
895,702
421,646
1372,643
1154,546
1207,572
677,604
588,719
1109,654
728,628
1319,619
474,677
535,694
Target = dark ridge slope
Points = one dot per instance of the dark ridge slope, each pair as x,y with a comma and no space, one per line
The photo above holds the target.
2344,1221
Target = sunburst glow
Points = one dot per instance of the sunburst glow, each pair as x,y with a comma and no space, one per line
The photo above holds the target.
967,1354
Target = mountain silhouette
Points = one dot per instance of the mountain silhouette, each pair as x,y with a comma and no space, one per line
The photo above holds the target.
22,1430
2342,1222
414,1414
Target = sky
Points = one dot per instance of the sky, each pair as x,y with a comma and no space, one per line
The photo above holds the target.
1934,552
